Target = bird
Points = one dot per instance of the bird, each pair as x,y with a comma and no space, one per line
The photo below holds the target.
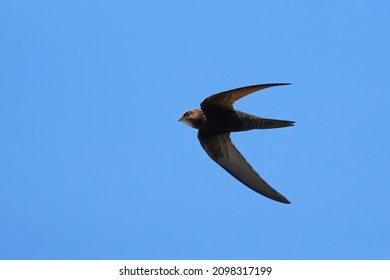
216,119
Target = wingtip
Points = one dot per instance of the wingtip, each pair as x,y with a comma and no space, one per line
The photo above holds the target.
277,197
276,84
282,84
282,200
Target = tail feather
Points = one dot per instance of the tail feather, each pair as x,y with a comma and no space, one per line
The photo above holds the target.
271,123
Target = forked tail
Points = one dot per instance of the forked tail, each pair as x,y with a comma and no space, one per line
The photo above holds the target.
271,123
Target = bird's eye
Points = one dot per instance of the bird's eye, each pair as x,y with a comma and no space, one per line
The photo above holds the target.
186,114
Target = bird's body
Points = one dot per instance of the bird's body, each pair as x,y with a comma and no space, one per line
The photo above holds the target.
216,119
224,121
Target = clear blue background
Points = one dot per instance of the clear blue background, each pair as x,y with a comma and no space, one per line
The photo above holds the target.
94,164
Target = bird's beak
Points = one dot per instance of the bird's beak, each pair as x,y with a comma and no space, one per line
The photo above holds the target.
180,119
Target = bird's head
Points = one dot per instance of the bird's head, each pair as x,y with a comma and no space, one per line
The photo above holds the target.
194,118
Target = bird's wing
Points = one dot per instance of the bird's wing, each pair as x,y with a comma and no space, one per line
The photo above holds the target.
221,149
227,98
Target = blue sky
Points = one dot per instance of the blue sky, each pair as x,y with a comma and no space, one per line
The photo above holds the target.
94,164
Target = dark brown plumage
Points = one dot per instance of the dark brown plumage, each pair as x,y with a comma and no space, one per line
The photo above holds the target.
216,119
